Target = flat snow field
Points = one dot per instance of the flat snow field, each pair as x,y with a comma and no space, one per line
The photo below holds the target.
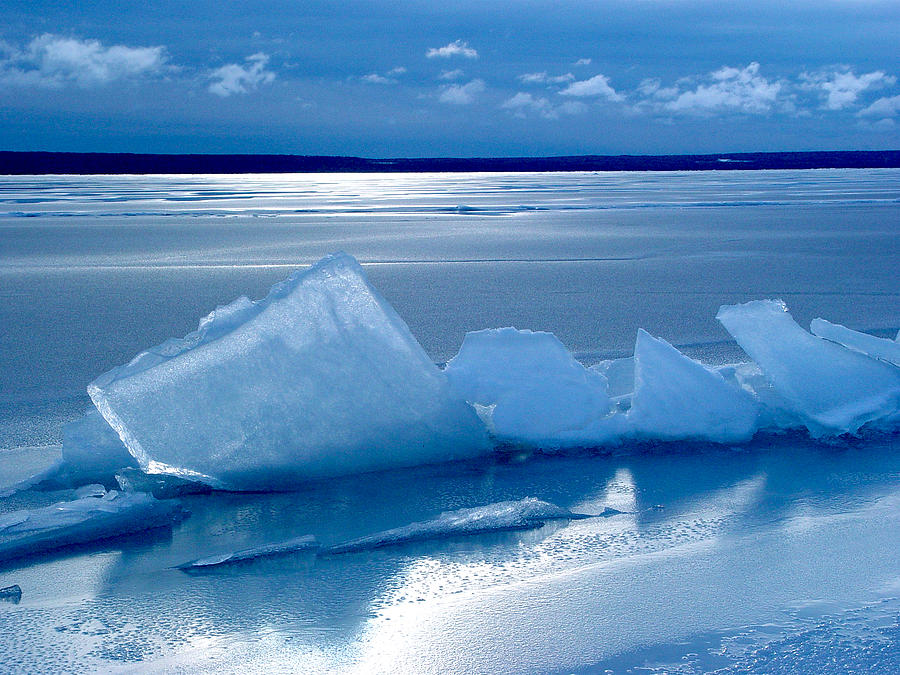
776,555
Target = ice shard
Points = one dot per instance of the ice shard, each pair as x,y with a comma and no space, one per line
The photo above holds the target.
676,397
832,389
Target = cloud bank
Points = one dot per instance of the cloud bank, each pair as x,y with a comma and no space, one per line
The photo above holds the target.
53,61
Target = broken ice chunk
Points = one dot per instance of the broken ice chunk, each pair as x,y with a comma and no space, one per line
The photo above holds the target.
318,379
31,531
677,397
878,348
524,514
832,389
11,594
296,545
540,394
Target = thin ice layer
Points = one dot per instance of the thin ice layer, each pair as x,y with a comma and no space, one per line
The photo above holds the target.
296,545
832,389
320,378
676,397
538,393
878,348
90,518
524,514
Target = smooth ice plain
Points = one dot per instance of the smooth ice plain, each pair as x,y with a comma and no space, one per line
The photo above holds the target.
714,552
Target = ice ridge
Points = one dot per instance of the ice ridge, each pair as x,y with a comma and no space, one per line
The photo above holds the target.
323,378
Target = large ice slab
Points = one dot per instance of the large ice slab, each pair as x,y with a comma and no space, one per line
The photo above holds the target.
536,391
99,515
318,379
676,397
524,514
878,348
833,390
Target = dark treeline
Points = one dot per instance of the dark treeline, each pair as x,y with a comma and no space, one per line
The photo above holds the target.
124,163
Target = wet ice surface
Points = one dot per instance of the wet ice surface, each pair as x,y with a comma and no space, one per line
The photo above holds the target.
711,544
768,557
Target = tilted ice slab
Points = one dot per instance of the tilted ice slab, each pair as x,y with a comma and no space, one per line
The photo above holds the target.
832,389
318,379
295,545
524,514
98,515
92,451
878,348
676,397
535,390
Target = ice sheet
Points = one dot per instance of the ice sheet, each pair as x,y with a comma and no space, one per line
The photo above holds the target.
320,378
516,515
83,520
832,389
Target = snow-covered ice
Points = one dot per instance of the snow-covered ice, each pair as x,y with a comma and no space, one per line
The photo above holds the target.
834,390
677,397
535,390
517,515
96,515
296,545
320,378
878,348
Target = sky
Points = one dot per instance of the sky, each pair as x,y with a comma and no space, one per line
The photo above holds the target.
463,78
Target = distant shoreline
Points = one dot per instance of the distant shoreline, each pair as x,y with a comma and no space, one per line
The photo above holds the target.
37,163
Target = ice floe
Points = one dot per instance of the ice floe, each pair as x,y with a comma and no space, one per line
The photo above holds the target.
524,514
291,546
96,515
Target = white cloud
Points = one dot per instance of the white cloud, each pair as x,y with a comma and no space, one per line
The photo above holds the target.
740,89
455,48
450,75
841,88
583,62
543,78
237,79
885,107
462,94
595,86
375,78
53,61
388,78
523,103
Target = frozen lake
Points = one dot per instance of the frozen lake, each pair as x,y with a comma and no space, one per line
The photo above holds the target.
768,557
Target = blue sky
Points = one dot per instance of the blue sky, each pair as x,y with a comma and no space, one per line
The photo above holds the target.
382,79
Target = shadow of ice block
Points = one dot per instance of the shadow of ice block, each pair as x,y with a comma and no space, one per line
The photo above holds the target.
320,378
